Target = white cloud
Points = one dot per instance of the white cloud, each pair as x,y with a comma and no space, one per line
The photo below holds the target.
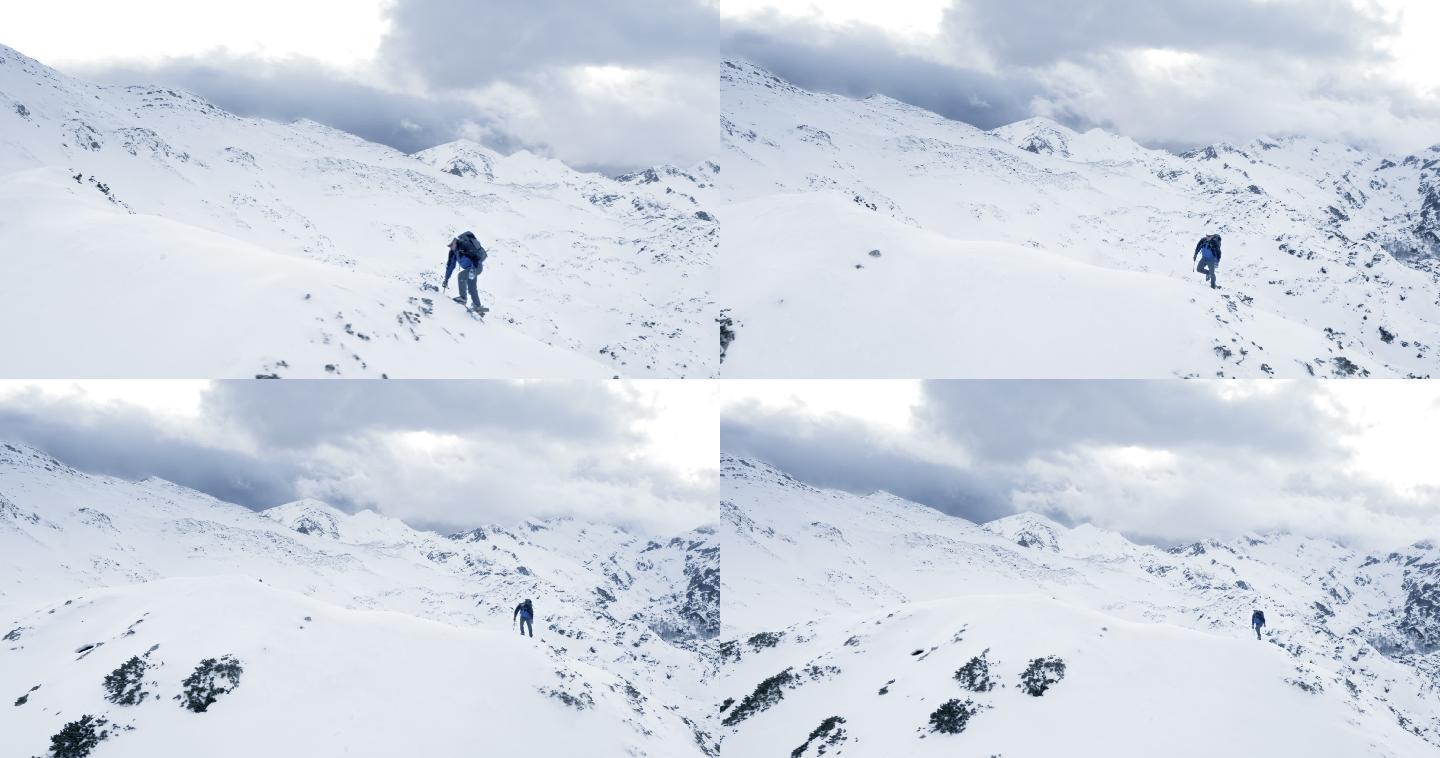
445,454
1172,461
338,32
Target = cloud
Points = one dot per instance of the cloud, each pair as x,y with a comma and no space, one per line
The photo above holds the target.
461,43
858,60
607,87
130,442
1173,75
1014,420
307,413
1043,32
1161,461
445,455
849,454
293,88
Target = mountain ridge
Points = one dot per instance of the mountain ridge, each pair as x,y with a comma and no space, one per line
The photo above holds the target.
912,230
625,623
871,618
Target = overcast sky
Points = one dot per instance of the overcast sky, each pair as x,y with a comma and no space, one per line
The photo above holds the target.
437,454
610,86
1171,73
1161,461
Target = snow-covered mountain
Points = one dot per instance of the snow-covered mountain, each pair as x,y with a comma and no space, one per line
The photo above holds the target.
356,634
873,238
147,232
850,622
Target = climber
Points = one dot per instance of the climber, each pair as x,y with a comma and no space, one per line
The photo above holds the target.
1208,251
1257,620
526,612
469,255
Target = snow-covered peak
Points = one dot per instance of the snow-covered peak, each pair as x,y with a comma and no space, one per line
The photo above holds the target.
1029,530
845,625
463,158
320,519
897,223
1038,135
333,247
754,469
621,627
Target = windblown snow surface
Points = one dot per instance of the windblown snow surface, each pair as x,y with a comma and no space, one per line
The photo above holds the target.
356,634
873,238
846,619
147,233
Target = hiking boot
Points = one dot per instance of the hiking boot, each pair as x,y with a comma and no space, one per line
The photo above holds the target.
459,300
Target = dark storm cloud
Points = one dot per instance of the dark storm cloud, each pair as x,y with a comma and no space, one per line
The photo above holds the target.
445,455
303,413
459,43
1237,69
859,61
125,441
1014,420
295,88
1042,32
845,453
500,72
1162,461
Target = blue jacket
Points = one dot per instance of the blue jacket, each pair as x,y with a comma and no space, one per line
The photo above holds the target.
1208,248
524,611
461,260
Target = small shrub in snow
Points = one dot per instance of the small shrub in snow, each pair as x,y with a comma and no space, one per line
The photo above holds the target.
77,738
825,736
975,675
125,685
727,331
579,702
766,694
952,716
208,682
1041,674
762,640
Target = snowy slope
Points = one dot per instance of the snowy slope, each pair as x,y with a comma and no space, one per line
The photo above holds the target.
1032,250
415,626
863,608
169,236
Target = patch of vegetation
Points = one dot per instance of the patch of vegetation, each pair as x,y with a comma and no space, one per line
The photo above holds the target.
766,694
758,642
1344,367
725,706
975,675
77,738
729,650
829,734
952,716
579,702
1041,675
125,685
211,679
727,331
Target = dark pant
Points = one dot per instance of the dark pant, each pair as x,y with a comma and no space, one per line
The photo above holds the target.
1207,267
525,621
1257,630
466,282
